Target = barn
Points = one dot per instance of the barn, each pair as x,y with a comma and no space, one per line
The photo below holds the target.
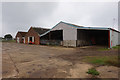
33,35
20,37
67,34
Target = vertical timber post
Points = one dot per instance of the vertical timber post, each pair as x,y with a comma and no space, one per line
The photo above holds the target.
49,36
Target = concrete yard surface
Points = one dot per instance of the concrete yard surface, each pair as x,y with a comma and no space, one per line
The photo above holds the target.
39,61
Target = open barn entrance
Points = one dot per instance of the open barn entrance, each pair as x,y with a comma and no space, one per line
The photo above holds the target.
31,40
52,38
92,37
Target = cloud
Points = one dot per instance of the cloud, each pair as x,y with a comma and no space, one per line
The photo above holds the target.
0,19
119,15
88,14
21,15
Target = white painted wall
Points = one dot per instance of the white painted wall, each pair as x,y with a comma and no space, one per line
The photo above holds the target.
33,39
69,32
114,38
23,39
118,38
18,40
28,39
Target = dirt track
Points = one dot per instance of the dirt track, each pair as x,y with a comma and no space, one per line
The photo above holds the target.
35,61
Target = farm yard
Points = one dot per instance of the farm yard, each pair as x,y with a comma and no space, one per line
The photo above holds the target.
42,61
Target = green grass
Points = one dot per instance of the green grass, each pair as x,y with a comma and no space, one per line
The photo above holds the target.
103,60
103,49
106,49
116,47
93,72
8,40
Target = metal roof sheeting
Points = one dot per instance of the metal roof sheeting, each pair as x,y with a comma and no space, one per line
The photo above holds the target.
78,27
40,30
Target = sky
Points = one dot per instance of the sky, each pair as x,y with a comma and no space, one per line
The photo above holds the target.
20,16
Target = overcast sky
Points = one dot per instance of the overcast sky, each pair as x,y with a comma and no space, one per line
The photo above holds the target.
20,16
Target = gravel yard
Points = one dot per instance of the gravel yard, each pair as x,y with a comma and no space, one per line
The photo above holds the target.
39,61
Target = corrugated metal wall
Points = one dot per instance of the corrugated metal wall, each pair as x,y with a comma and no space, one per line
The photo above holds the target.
69,34
114,38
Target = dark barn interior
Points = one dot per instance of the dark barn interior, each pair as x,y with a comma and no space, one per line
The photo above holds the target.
30,38
53,37
56,35
92,37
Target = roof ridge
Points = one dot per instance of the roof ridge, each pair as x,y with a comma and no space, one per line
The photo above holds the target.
71,24
22,31
40,27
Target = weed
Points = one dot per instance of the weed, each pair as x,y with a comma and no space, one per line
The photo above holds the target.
93,71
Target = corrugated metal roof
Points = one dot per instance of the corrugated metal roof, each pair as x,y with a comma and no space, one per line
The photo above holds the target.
78,27
22,33
83,27
49,30
40,30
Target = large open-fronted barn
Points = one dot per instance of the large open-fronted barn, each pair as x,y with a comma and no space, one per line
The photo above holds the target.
67,34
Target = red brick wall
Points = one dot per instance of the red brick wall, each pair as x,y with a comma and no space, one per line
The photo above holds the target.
20,37
31,33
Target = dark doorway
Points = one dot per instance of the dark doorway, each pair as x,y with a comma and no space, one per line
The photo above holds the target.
56,35
92,37
30,39
53,35
52,38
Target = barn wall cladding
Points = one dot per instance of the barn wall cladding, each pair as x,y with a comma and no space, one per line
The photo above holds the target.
69,34
119,38
114,38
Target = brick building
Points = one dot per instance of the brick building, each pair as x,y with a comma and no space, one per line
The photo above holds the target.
20,37
33,35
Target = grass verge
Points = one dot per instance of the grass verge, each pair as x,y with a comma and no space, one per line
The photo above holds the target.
106,49
116,47
8,40
103,49
103,60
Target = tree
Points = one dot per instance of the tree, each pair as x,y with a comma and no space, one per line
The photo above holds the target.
8,37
